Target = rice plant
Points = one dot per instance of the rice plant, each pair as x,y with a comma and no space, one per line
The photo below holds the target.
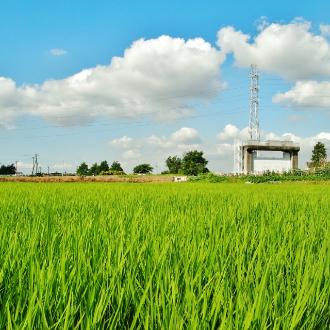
164,256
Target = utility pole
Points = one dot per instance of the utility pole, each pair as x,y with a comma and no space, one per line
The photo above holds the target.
35,165
16,166
254,133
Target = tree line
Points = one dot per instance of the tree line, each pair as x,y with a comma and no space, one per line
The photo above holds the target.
8,169
192,163
100,169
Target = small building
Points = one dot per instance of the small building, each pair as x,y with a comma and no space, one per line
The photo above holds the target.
252,162
180,178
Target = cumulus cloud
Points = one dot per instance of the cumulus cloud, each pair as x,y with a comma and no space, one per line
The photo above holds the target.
292,50
231,132
224,149
186,135
159,78
160,141
10,100
58,52
325,30
306,94
262,23
123,142
183,138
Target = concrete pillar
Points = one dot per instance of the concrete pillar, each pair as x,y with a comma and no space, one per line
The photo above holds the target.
294,160
248,161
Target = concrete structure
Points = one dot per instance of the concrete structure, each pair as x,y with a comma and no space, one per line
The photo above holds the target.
247,158
252,163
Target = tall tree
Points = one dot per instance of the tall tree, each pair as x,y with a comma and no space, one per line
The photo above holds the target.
193,163
94,170
104,166
82,169
143,169
319,154
174,164
116,167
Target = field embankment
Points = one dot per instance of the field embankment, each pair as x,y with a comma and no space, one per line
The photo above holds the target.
101,178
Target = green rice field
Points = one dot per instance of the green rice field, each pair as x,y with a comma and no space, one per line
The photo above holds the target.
164,256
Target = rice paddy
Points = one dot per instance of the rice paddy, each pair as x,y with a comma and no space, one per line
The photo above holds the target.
164,256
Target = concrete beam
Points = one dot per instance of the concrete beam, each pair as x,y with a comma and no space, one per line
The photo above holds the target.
253,147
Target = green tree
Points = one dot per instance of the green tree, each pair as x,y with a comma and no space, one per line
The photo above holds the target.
104,166
82,169
174,164
319,154
94,169
143,169
7,169
116,167
193,163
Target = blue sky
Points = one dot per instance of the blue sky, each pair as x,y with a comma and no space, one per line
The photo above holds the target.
54,40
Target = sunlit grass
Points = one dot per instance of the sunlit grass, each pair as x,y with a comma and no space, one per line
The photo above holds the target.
229,256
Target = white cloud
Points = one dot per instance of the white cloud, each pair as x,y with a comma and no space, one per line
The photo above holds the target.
231,132
131,154
185,135
183,138
262,23
10,100
323,136
325,30
159,78
123,142
160,141
306,94
223,149
58,52
290,50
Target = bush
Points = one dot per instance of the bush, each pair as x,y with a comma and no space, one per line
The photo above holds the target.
209,177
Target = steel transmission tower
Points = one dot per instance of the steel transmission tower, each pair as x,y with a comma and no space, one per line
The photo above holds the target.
254,133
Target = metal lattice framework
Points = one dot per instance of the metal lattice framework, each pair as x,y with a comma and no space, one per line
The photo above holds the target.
254,133
238,157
